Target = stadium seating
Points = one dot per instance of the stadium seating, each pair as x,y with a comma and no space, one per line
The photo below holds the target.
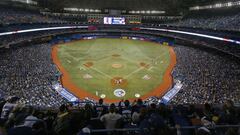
229,22
136,118
18,16
209,77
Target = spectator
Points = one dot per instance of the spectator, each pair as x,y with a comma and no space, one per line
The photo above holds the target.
100,108
19,128
110,119
62,122
126,112
31,119
8,107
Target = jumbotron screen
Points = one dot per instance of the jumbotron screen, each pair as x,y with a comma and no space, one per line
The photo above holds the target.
114,20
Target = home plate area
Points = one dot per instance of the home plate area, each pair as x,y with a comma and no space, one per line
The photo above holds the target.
122,93
119,82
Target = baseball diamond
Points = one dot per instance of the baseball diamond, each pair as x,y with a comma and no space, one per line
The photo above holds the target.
105,64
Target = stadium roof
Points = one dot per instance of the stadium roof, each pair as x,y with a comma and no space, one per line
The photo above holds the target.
128,4
167,5
170,6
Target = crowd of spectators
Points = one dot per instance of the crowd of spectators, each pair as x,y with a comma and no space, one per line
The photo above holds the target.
229,22
29,73
153,119
19,16
206,77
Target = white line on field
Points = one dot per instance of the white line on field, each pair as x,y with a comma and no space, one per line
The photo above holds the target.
129,60
90,48
144,54
101,59
74,58
101,72
139,69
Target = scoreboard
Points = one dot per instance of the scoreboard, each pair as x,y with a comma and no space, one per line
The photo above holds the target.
114,20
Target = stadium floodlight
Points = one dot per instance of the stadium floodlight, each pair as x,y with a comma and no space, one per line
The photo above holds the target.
86,10
96,10
74,9
124,11
157,12
162,12
146,12
70,9
218,5
197,7
26,1
229,4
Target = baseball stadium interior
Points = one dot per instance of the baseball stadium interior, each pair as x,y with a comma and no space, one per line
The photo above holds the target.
120,67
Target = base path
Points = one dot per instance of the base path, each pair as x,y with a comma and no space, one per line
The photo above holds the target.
81,93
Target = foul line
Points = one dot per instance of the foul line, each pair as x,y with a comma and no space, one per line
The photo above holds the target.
139,69
89,49
101,72
129,60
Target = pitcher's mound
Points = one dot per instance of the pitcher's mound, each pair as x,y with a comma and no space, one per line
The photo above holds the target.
88,64
116,55
117,65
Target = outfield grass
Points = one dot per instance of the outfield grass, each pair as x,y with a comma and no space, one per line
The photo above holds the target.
90,65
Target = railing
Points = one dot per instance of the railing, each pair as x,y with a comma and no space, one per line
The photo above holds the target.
191,130
185,130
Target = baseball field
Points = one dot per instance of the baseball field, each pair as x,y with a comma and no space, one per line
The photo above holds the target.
115,69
